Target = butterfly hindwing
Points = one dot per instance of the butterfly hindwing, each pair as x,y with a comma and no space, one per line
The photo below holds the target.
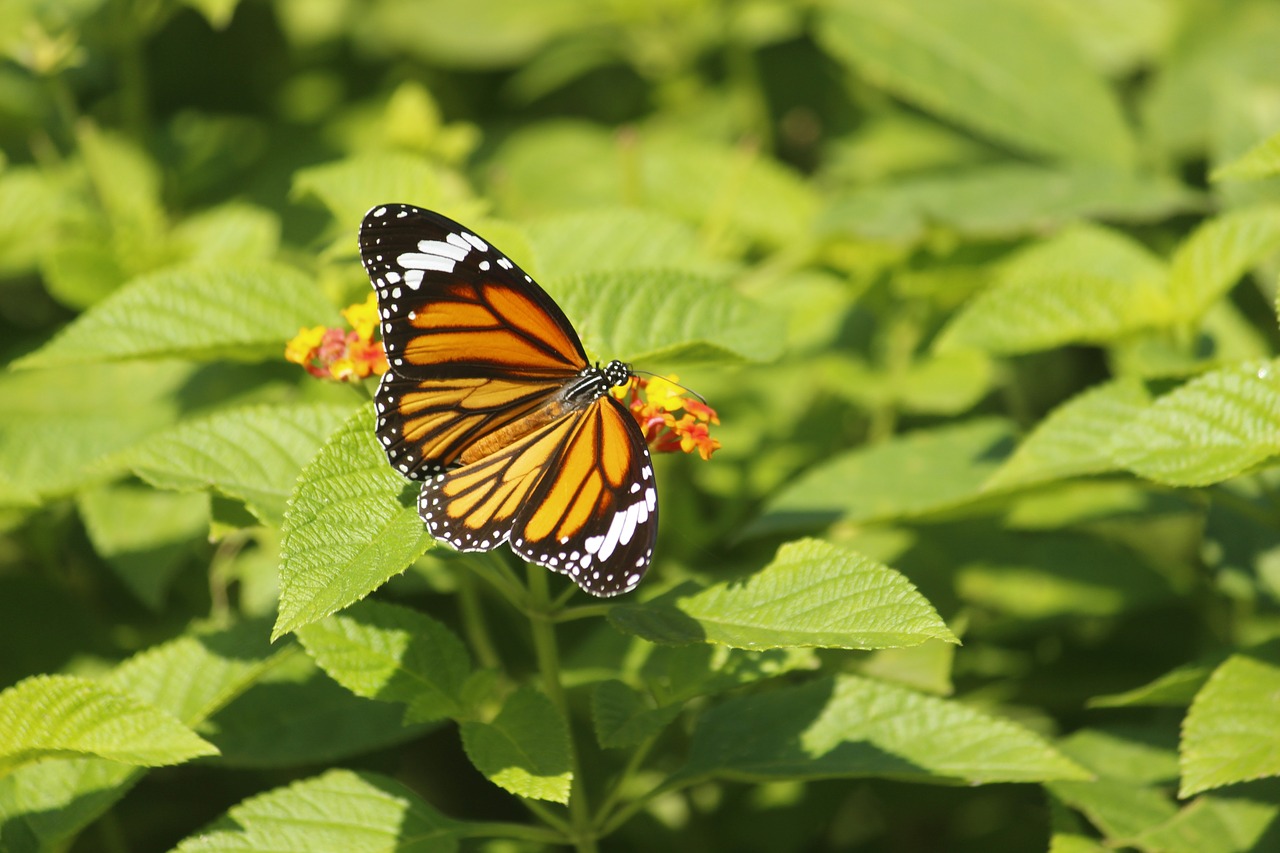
576,496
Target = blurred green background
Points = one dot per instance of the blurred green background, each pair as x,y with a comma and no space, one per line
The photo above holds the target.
939,219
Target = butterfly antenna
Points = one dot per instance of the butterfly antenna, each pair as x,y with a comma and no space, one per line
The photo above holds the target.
694,393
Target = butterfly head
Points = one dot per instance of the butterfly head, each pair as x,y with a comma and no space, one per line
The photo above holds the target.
617,373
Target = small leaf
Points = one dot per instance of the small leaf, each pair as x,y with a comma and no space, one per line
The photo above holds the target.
245,310
230,232
525,749
849,726
1072,441
624,718
1216,254
1214,824
985,65
650,314
1232,731
1260,161
392,653
63,716
909,475
347,529
1208,430
812,594
252,454
340,810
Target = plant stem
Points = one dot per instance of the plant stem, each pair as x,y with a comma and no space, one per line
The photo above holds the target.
544,643
473,623
513,830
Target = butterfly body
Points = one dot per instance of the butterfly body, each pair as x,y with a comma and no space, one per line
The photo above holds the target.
491,402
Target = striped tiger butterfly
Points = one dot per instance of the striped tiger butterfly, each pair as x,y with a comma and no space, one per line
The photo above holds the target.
491,402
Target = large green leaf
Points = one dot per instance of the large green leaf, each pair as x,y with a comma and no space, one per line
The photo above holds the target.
252,454
1208,430
395,654
849,726
1085,285
909,475
1072,440
339,810
650,314
1232,731
245,310
615,238
1002,200
63,716
350,526
986,64
58,427
525,749
143,534
812,594
189,678
1217,253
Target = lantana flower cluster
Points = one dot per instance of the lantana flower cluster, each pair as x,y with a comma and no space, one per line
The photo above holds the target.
669,420
656,404
328,352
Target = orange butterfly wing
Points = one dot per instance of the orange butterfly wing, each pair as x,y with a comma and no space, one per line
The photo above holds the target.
491,400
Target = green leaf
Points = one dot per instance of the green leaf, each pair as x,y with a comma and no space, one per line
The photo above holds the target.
525,750
339,810
615,238
189,678
58,427
445,33
1072,440
1260,161
349,188
650,314
1216,254
1210,824
392,653
1175,689
909,475
1145,755
1232,731
849,726
144,535
252,454
243,310
1086,285
623,717
48,716
987,65
231,232
127,185
1003,200
812,594
1120,808
348,528
1208,430
217,12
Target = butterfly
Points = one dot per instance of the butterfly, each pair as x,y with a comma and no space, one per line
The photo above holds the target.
491,402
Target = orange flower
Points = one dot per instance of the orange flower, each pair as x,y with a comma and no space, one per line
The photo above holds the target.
331,353
655,410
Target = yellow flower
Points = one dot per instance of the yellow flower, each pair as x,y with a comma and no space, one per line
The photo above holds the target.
300,349
363,316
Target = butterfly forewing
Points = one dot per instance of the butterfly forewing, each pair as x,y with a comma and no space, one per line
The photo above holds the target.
491,401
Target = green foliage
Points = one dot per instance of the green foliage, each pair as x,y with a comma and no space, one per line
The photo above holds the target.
984,293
